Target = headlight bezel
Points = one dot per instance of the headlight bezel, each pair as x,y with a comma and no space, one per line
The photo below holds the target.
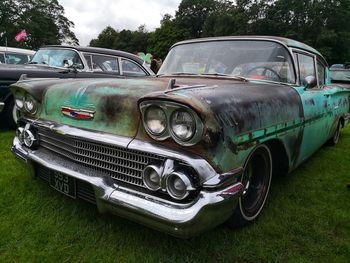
171,185
23,99
169,108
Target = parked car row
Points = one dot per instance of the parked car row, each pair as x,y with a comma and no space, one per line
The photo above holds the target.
68,62
189,149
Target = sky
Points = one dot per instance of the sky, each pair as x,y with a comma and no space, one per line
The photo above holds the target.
90,17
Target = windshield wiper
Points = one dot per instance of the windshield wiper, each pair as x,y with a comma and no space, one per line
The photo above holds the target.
178,74
215,74
32,62
236,77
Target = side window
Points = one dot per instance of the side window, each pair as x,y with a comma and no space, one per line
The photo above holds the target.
132,69
321,72
100,63
2,58
88,59
12,58
306,66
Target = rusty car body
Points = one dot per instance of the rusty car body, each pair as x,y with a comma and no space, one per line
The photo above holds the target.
193,147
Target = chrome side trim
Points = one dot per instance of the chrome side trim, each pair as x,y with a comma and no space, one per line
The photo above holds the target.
2,106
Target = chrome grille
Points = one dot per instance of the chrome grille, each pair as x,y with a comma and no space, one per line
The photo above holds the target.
119,163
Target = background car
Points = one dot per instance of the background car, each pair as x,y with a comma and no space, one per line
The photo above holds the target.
10,55
68,62
340,75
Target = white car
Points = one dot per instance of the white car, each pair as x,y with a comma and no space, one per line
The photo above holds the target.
10,55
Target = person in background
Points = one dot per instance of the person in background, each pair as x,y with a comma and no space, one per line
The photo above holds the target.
156,63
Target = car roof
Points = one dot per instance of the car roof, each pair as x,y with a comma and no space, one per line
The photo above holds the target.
104,51
17,50
286,41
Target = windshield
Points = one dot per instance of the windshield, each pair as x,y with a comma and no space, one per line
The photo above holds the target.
57,57
340,75
261,60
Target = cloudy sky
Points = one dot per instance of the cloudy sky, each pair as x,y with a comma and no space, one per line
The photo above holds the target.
92,16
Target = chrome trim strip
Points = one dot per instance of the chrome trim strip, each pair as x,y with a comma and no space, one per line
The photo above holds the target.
2,106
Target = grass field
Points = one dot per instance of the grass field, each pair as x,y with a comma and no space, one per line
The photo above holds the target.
306,219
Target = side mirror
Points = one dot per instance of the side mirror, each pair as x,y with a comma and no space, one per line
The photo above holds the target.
68,63
310,82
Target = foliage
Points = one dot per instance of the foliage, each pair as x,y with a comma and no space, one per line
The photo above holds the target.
43,20
306,219
322,24
126,40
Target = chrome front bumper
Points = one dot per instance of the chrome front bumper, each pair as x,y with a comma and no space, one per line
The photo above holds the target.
214,204
2,106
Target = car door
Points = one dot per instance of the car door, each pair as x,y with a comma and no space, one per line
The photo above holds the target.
316,104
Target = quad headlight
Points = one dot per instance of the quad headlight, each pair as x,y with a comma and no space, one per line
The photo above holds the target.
19,103
155,120
182,124
30,104
164,119
26,103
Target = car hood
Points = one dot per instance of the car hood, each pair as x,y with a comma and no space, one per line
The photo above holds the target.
113,104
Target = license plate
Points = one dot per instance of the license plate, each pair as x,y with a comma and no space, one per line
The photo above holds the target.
63,183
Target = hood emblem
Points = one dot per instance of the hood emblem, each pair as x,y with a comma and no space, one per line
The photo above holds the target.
78,114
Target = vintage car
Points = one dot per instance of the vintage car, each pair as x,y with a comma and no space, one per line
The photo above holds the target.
68,62
339,75
10,55
191,148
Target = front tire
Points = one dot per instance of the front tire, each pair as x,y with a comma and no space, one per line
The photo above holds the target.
256,179
11,114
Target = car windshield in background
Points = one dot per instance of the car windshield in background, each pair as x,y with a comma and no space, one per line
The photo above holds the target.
57,57
262,60
340,75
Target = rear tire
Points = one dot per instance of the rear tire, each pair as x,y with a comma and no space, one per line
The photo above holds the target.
335,138
256,179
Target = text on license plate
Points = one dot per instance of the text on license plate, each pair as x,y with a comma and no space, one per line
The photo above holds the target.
63,183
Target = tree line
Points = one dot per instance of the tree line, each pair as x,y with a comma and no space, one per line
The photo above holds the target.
323,24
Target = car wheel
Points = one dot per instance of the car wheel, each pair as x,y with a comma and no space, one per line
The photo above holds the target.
256,180
11,114
335,138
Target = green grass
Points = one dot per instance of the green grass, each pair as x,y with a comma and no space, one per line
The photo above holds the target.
306,219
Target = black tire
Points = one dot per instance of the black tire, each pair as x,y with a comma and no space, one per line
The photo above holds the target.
10,114
335,138
256,180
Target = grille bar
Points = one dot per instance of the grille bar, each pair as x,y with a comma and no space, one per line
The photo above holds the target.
119,163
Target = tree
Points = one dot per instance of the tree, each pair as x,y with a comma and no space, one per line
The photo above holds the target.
166,35
105,39
192,15
43,20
